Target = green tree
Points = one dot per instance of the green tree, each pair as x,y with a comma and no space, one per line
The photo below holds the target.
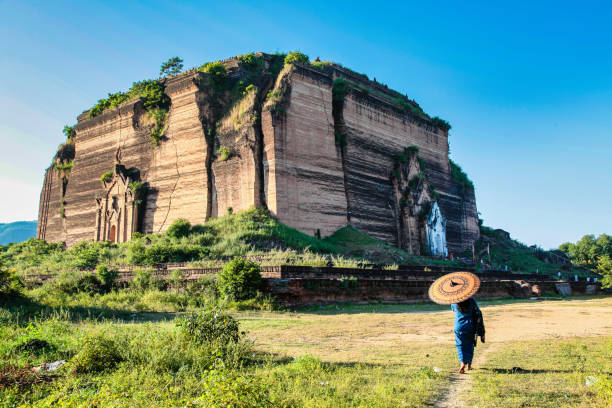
173,66
604,266
240,280
588,250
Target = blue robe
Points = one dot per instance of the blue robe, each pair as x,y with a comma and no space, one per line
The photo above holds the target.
464,333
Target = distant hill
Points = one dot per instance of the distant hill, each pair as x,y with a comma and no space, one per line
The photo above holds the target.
17,231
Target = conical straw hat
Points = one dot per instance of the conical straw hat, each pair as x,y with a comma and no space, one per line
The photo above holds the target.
454,288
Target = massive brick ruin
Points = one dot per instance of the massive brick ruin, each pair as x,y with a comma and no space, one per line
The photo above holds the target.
318,145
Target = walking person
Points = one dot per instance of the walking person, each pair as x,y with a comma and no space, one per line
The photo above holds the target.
456,289
466,315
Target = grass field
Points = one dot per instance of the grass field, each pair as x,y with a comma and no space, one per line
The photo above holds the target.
539,354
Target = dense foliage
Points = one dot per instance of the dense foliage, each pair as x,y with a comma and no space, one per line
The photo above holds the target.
217,75
592,252
151,90
179,228
98,353
210,326
240,280
10,283
296,56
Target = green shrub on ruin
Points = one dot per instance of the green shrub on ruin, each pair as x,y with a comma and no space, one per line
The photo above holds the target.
138,190
441,123
152,91
179,228
106,177
297,56
223,153
240,280
340,88
217,74
250,62
68,132
106,276
143,280
460,176
157,132
64,166
111,101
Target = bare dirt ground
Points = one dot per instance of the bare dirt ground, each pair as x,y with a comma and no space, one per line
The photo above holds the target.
379,336
417,335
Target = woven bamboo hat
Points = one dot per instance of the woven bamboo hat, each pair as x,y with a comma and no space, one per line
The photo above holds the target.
454,288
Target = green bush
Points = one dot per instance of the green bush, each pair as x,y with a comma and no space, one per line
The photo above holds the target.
106,177
297,56
240,280
250,61
10,283
217,74
151,90
143,280
98,354
71,283
179,228
106,276
86,255
211,326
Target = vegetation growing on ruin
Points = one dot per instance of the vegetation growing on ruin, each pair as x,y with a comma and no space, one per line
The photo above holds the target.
223,153
172,67
155,102
217,75
296,56
441,123
68,131
106,176
64,166
460,176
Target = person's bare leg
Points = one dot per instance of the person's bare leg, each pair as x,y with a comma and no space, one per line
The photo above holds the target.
462,369
469,366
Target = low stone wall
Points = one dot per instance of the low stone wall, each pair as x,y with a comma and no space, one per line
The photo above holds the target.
299,292
301,285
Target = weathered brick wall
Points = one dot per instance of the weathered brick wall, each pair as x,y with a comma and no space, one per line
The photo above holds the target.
50,224
99,142
305,182
177,176
310,181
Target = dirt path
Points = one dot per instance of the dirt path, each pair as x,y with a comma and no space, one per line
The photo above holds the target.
455,395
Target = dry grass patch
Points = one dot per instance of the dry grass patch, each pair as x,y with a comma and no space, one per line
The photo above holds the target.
546,373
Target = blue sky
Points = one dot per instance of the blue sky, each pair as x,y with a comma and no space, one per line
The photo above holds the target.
527,87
